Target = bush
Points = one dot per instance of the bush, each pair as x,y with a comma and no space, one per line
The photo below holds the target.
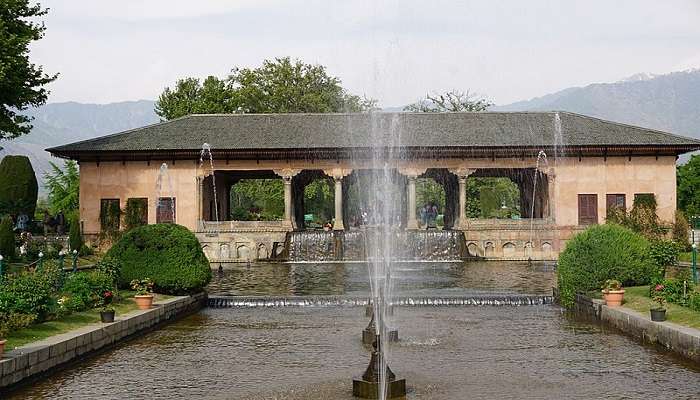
84,290
600,253
75,237
30,292
7,239
664,252
19,186
681,231
675,290
167,253
10,322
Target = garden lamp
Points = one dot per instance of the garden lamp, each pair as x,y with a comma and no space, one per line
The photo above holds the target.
1,258
695,263
40,264
75,261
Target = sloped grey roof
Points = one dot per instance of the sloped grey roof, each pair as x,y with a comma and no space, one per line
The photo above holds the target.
251,132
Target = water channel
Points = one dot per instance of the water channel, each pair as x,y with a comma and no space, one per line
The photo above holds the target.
445,352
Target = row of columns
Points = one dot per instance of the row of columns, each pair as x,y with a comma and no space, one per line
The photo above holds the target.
411,173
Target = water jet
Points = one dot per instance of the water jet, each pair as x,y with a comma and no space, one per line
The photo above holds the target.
368,386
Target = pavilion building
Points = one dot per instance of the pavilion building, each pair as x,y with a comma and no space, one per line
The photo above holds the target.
570,170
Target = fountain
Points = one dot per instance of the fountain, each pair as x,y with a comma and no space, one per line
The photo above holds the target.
378,381
206,154
164,179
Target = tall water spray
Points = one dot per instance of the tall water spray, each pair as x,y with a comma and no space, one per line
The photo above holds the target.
164,179
204,155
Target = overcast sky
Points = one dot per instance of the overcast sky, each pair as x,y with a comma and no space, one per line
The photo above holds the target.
394,51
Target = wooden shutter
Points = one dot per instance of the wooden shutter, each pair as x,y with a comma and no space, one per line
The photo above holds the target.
587,209
615,201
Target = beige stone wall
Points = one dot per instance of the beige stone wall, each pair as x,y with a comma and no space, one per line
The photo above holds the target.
616,175
136,179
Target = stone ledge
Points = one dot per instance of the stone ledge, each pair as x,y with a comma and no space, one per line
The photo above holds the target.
45,356
679,339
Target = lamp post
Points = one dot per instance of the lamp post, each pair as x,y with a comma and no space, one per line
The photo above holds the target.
75,261
695,263
1,258
40,264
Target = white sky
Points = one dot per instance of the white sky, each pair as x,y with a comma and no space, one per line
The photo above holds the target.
395,51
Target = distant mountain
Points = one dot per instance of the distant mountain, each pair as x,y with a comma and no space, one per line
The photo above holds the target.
61,123
668,102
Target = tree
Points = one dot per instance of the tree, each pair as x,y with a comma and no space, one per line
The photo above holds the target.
18,186
7,238
688,186
75,237
21,82
452,101
64,188
282,85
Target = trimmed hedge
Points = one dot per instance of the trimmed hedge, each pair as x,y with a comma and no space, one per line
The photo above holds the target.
19,187
169,254
604,252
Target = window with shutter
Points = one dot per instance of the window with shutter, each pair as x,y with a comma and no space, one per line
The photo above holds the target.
165,210
615,201
587,209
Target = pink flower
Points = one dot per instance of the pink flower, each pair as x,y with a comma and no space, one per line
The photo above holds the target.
659,287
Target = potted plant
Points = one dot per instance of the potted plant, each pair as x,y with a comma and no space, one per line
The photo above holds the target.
107,311
613,293
144,293
658,313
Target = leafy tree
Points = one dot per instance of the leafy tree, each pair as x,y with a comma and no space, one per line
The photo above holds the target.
63,186
688,186
21,81
18,185
75,237
281,85
452,101
7,239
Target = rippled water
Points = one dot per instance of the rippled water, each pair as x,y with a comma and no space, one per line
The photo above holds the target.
412,277
456,352
533,352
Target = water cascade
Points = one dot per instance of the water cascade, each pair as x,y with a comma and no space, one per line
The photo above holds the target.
162,180
203,155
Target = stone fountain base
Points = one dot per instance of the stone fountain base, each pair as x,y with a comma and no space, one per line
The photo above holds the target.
368,336
361,388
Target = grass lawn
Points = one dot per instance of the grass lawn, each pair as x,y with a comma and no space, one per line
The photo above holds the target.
68,323
637,298
685,256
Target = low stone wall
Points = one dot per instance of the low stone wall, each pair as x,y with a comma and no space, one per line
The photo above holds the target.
679,339
38,358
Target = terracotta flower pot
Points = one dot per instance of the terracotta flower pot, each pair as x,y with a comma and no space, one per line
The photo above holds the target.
144,301
2,347
613,298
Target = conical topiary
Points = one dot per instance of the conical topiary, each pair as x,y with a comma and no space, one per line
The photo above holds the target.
75,237
18,185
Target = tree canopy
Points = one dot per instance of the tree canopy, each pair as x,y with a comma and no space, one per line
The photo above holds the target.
21,81
281,85
63,186
452,101
688,183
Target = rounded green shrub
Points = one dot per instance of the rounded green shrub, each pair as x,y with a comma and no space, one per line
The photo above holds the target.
84,289
604,252
169,254
31,292
19,187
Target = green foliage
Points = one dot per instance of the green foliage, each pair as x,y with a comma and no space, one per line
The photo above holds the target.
169,254
63,186
278,86
429,191
110,215
75,237
252,197
84,290
319,200
664,252
21,81
641,219
688,185
7,239
492,194
12,321
600,253
109,267
30,292
135,213
18,183
681,231
452,101
673,290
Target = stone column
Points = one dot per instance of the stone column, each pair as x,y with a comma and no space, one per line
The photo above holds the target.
287,174
550,196
462,175
338,174
412,174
